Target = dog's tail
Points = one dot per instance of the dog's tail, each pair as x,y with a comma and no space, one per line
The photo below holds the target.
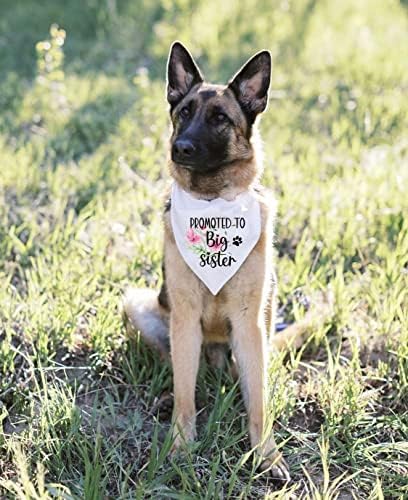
142,312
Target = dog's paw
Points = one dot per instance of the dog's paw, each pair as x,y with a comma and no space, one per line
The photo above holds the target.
182,439
277,467
177,446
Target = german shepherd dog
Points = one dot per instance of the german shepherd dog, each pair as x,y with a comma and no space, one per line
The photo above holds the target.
214,154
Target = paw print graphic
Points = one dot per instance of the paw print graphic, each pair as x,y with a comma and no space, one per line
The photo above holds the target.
237,240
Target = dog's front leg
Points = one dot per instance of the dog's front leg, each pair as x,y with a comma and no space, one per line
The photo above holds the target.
250,351
185,341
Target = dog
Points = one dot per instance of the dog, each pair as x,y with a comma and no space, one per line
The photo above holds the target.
215,155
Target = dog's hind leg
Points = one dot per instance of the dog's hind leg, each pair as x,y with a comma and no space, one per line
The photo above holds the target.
143,311
296,334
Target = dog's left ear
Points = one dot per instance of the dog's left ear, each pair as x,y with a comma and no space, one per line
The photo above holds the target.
250,85
182,73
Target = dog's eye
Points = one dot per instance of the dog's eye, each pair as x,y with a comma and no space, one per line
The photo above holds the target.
220,118
185,112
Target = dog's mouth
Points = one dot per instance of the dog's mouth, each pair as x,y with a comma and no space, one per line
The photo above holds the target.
199,167
184,164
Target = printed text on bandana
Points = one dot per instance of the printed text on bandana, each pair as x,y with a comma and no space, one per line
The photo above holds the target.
206,239
214,237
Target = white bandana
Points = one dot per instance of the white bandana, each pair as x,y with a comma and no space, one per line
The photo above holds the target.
214,237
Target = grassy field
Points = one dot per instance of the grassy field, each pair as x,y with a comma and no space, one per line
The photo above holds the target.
83,132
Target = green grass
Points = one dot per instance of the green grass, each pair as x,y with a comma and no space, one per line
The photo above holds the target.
83,168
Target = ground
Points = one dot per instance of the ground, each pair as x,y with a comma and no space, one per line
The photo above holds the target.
83,134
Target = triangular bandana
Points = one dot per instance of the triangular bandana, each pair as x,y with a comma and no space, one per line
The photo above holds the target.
214,237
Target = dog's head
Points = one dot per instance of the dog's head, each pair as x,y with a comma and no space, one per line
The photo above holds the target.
212,124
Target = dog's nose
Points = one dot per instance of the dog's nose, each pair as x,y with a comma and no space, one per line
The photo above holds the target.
183,149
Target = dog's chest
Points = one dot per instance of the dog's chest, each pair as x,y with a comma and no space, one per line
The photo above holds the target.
184,287
214,321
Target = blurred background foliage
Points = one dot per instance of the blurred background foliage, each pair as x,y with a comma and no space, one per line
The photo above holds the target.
119,35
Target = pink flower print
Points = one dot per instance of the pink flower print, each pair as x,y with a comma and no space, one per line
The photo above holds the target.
192,236
216,247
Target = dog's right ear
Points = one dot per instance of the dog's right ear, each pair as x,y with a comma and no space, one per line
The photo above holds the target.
182,74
